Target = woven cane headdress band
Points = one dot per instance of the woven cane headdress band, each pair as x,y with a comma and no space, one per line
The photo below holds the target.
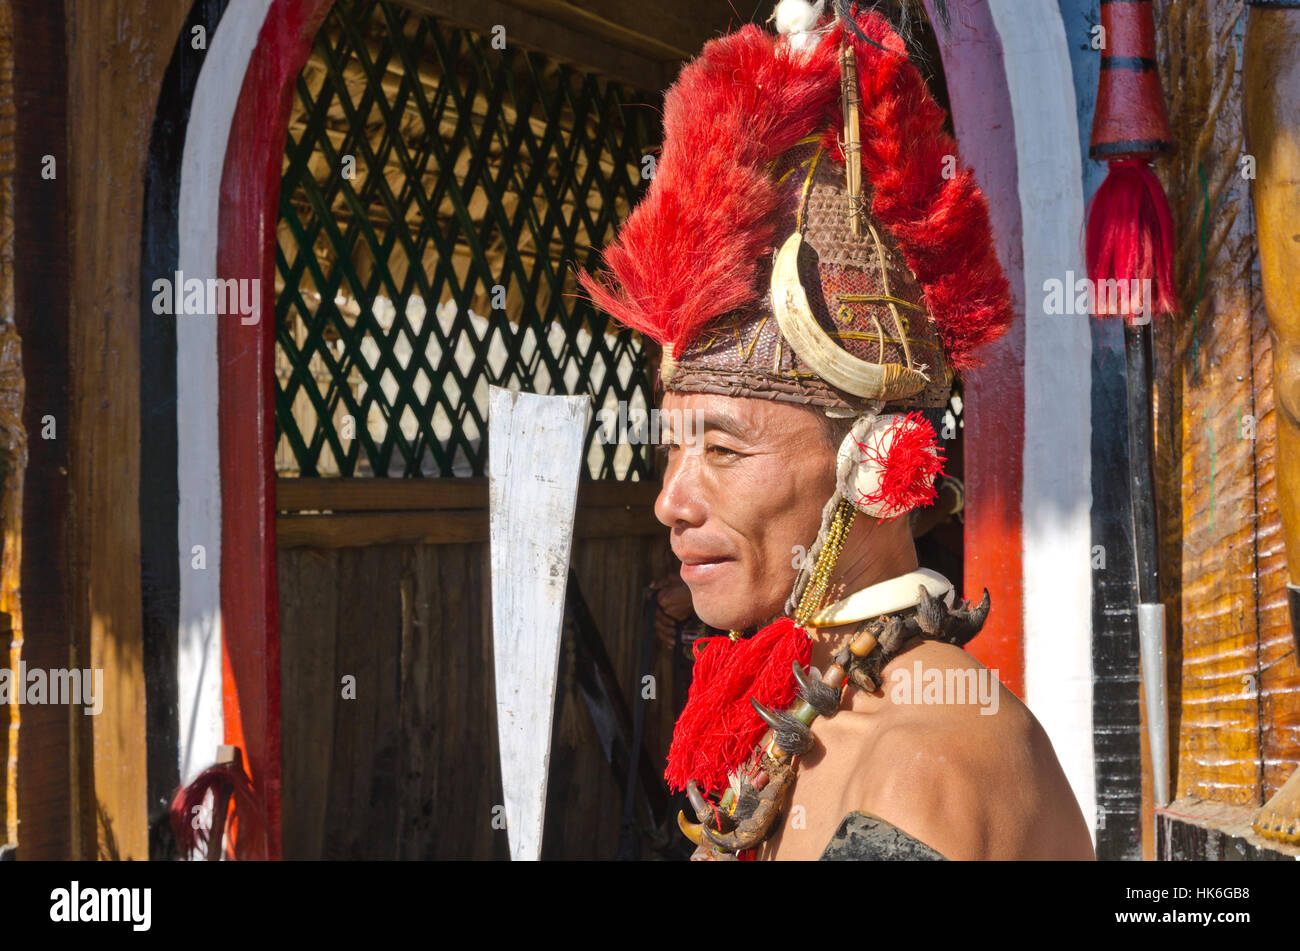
844,322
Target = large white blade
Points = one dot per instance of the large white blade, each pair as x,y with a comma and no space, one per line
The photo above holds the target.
535,457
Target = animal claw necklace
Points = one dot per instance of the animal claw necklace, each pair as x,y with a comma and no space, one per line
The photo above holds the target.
888,618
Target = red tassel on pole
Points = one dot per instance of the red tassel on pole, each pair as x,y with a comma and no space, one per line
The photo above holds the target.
1131,239
1130,243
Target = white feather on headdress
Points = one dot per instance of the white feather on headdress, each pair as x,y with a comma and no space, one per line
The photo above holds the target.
796,19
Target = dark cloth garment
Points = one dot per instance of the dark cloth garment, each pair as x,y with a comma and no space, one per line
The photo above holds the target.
862,837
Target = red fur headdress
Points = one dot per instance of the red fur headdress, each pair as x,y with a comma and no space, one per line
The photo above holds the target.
688,252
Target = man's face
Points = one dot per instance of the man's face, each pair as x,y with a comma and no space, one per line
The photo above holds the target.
740,492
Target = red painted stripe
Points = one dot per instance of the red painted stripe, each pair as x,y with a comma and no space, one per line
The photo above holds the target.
995,393
250,191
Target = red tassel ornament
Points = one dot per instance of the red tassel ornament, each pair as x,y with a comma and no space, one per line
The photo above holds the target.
1131,240
903,463
226,782
1130,235
718,727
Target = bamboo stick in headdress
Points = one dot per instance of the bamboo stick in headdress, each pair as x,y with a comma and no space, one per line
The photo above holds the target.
849,97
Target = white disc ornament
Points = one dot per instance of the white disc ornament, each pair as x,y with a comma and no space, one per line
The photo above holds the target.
888,464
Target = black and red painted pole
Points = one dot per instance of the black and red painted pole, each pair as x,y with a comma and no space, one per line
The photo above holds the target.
1130,243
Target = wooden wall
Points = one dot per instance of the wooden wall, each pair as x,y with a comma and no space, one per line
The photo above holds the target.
1234,692
86,74
409,769
40,763
12,451
389,582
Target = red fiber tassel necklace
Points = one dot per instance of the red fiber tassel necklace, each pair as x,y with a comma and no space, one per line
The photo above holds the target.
718,727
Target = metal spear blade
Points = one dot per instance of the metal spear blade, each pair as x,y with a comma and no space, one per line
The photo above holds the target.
535,449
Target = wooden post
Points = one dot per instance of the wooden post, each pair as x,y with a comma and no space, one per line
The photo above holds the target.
43,759
8,743
112,96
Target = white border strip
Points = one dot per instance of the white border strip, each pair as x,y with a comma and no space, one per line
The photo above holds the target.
1057,533
198,659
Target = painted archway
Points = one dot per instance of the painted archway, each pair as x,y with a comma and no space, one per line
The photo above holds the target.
207,493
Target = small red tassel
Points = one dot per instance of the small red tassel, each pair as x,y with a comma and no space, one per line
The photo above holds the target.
245,827
718,728
190,833
1131,239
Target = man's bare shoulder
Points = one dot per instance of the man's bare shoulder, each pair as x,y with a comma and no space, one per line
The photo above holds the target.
957,761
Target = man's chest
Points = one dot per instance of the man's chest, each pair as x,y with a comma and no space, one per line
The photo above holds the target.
830,782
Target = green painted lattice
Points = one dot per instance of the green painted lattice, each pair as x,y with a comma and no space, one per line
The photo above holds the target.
436,193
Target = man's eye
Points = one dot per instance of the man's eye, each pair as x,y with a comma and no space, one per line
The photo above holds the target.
723,451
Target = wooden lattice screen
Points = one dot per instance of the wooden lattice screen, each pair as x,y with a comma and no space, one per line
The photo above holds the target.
436,192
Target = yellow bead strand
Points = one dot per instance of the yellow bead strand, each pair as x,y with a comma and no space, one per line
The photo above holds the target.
820,578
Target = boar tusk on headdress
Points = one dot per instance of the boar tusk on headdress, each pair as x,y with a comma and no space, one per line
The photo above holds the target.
832,363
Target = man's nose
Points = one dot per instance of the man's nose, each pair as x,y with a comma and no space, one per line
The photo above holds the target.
680,501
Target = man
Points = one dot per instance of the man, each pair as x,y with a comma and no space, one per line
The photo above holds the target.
809,311
970,784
